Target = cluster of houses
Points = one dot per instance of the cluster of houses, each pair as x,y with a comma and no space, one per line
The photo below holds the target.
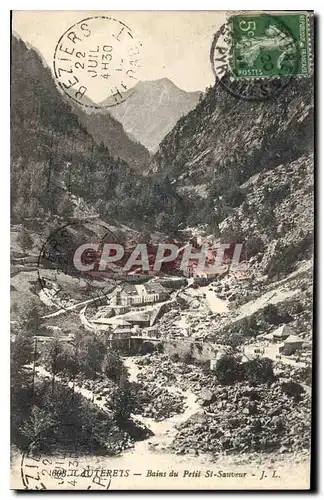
141,294
285,335
132,311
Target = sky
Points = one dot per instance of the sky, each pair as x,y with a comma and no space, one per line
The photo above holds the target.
175,44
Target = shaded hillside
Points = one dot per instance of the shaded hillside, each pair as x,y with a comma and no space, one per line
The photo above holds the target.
108,131
226,136
54,157
247,170
153,109
225,140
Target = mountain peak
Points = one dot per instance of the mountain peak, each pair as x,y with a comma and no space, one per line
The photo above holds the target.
153,109
162,83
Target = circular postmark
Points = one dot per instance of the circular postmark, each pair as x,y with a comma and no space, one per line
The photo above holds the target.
55,460
255,56
81,264
96,62
68,270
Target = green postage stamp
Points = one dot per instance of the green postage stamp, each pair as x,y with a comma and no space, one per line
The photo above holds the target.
270,44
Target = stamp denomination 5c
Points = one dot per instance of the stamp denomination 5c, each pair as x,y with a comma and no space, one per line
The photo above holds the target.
255,56
267,45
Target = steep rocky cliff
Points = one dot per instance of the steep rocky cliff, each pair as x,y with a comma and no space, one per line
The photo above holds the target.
246,168
227,136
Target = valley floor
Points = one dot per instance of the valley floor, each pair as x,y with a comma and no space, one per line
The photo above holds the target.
149,461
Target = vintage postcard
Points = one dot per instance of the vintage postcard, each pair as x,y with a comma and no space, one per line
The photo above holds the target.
162,186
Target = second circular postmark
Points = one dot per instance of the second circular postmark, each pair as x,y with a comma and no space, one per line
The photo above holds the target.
66,279
96,62
56,460
254,56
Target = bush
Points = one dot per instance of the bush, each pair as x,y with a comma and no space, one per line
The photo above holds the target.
274,196
113,366
293,389
160,347
31,318
253,246
52,356
122,402
235,339
25,240
248,327
228,370
146,348
21,352
258,370
45,411
187,358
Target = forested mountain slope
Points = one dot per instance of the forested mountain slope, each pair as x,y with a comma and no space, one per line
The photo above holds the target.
54,157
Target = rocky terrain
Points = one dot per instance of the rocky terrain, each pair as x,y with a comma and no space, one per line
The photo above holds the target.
259,136
236,418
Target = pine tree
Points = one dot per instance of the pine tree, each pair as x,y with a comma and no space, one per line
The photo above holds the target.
25,240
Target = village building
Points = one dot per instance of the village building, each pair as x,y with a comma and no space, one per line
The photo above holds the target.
132,295
282,333
112,323
140,319
292,344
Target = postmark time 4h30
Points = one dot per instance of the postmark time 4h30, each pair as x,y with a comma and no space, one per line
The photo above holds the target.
96,62
270,44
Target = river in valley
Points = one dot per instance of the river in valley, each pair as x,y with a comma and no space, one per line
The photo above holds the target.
150,464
